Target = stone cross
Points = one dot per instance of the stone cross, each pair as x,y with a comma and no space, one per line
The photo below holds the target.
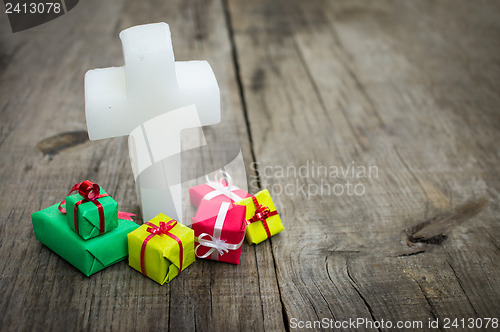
151,84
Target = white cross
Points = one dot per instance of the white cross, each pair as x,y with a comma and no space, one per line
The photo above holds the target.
121,99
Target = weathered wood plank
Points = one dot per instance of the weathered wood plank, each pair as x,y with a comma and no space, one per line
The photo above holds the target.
407,87
390,84
42,96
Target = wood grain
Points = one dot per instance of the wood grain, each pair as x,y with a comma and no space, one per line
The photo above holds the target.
409,88
370,83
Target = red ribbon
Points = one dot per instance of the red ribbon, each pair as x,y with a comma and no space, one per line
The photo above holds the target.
125,215
262,212
91,193
164,228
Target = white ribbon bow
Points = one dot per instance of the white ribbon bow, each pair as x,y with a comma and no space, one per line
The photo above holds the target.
216,245
220,188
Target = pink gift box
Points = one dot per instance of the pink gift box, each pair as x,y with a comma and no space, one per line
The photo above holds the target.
220,236
206,210
222,194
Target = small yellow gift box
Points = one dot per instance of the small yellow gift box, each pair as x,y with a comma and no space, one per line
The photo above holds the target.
161,248
263,221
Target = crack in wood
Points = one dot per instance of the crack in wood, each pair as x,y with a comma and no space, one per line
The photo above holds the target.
432,309
234,53
323,296
211,296
355,286
412,253
462,287
284,313
324,299
169,328
258,282
329,275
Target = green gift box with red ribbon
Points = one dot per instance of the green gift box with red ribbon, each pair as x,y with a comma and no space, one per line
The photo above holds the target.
88,256
91,212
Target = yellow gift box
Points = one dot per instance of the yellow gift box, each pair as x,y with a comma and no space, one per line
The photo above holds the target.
262,218
161,248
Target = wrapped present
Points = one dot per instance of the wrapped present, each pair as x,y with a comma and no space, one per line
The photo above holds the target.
161,248
220,236
217,191
263,221
207,209
91,212
88,256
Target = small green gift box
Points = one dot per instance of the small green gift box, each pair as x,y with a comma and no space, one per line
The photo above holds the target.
91,212
88,256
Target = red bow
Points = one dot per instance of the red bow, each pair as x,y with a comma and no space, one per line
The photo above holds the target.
262,212
88,189
163,229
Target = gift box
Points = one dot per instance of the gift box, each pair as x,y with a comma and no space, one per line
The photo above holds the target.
161,248
263,221
91,212
88,256
207,209
220,236
218,191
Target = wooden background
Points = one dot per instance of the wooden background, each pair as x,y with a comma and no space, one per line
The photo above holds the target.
411,87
